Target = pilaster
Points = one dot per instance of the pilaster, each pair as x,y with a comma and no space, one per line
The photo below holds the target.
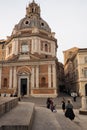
10,79
37,76
32,78
49,76
54,76
0,76
14,79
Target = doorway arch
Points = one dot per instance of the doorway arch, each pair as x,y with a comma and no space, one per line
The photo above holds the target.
23,85
24,74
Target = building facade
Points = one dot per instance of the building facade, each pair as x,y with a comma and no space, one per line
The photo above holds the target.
28,60
75,68
60,77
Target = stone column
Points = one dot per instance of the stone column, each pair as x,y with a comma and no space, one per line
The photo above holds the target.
19,80
37,76
36,45
32,46
28,86
39,46
7,50
0,76
16,46
32,78
10,79
13,47
49,76
84,106
14,79
53,49
83,109
84,103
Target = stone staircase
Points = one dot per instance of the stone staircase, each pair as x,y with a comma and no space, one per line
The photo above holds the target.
44,119
26,116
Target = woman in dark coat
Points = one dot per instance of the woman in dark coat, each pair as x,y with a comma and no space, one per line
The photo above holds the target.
48,103
63,105
69,111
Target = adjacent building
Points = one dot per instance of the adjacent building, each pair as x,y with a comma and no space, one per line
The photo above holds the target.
60,77
75,69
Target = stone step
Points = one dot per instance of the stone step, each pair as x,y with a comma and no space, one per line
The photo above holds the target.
66,123
44,119
19,118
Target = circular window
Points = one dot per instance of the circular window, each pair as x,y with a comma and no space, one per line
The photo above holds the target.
42,24
27,22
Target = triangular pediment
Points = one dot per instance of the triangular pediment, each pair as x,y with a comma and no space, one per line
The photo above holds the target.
22,56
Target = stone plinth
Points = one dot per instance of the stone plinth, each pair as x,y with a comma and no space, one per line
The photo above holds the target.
83,110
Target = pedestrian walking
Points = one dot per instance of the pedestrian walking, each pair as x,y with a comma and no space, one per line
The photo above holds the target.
69,113
52,106
74,95
48,102
63,105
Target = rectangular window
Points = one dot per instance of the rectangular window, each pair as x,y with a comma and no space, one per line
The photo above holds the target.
85,59
5,82
24,48
10,49
85,73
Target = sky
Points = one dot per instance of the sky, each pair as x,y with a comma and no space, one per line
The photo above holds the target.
67,18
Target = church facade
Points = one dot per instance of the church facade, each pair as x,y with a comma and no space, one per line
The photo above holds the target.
28,61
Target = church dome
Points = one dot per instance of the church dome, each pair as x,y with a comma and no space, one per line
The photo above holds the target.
32,19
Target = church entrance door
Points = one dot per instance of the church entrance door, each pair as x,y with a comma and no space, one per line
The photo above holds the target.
23,86
86,89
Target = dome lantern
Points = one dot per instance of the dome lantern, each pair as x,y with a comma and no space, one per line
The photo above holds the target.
33,9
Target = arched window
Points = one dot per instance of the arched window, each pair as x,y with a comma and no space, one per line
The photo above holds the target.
32,10
86,90
42,47
46,47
